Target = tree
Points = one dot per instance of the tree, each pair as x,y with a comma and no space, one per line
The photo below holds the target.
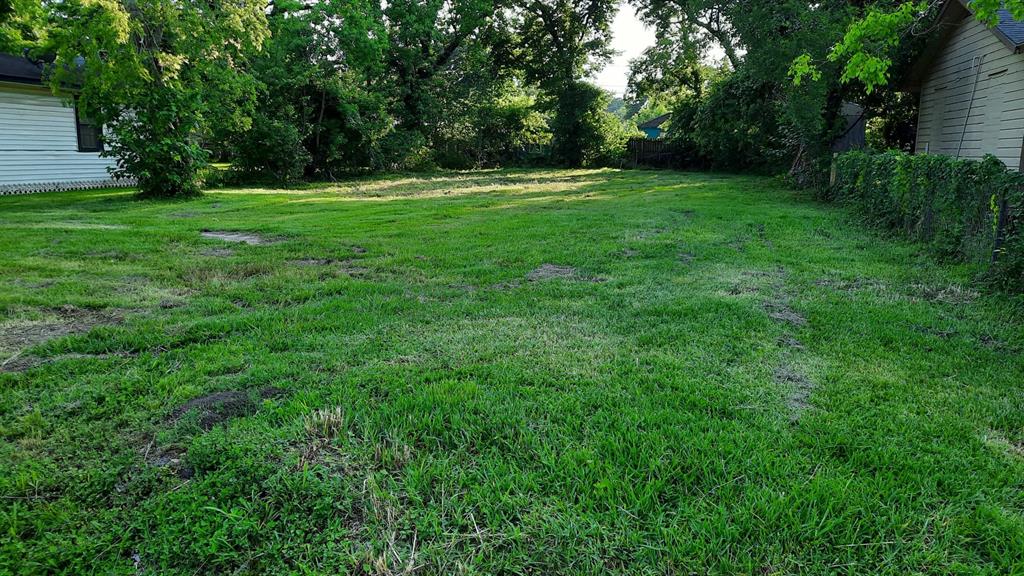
695,22
560,42
666,69
319,110
866,49
22,25
158,74
424,39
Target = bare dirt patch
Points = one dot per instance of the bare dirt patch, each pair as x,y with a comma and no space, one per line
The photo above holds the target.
551,271
40,285
799,389
509,285
952,294
250,238
998,440
17,336
358,250
23,363
790,342
780,311
171,458
219,252
849,285
170,304
219,407
312,262
352,268
555,271
20,363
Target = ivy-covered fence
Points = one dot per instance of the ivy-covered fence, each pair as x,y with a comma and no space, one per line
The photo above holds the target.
964,209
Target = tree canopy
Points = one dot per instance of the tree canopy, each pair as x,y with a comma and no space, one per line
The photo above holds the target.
312,89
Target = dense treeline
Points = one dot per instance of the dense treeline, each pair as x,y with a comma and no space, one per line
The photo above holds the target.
750,114
313,89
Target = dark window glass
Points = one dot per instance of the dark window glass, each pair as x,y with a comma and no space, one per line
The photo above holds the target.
88,134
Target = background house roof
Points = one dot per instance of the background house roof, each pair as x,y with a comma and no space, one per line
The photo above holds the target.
1012,30
655,122
19,69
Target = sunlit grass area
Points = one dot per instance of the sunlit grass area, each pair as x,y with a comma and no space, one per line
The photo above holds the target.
507,372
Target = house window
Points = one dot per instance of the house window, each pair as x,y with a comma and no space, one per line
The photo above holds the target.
88,134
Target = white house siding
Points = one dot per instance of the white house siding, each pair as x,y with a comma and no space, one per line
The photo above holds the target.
39,144
996,122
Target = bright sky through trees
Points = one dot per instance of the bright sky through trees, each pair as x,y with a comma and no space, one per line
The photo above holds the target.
630,38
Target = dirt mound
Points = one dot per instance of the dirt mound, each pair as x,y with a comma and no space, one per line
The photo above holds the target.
220,407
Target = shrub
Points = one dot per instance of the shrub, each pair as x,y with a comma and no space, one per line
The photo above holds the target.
967,210
738,127
584,132
271,150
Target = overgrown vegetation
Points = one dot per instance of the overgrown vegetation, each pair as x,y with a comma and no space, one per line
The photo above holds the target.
546,372
966,210
317,89
158,77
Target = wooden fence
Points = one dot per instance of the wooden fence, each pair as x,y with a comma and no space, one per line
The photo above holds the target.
646,152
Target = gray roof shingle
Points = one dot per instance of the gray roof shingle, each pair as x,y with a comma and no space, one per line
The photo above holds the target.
1012,29
20,70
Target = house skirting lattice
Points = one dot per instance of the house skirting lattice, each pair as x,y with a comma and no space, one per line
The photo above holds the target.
34,187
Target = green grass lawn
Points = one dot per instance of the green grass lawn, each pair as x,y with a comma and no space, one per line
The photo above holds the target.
515,372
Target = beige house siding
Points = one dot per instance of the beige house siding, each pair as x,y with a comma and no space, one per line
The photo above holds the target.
968,111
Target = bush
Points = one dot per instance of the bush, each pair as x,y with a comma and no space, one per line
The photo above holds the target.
967,210
681,130
584,132
738,126
271,150
497,132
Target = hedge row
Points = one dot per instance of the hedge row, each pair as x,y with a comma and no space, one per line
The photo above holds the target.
968,210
